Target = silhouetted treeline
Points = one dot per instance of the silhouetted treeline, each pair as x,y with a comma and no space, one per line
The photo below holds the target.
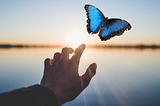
127,46
27,46
90,46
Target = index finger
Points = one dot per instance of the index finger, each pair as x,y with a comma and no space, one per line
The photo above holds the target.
77,54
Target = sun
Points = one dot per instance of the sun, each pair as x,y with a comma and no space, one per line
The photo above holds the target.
75,39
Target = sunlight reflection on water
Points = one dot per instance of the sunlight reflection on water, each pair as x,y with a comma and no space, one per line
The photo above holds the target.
125,77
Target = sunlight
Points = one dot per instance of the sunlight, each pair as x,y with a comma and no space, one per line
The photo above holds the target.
113,87
70,55
75,39
98,94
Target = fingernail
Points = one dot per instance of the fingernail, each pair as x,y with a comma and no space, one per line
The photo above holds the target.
83,46
71,50
94,65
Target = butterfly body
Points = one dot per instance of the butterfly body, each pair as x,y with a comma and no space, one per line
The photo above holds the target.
103,23
107,28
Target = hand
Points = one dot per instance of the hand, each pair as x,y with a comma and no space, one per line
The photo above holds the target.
62,77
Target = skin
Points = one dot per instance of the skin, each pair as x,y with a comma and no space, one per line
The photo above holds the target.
61,74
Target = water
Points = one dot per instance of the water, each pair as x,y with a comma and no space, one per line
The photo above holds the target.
125,77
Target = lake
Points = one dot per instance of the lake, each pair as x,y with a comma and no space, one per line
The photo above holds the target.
125,77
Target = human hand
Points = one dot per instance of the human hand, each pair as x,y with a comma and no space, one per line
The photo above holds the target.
62,77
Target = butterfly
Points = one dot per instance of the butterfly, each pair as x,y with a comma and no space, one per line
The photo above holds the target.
107,28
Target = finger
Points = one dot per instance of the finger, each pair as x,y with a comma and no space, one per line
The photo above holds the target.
90,72
78,52
65,52
56,57
47,62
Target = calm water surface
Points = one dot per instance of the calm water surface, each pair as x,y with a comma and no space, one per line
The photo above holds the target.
125,77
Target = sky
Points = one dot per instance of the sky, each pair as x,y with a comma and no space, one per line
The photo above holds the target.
64,21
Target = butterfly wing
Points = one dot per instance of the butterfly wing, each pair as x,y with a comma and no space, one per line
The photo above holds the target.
95,18
113,27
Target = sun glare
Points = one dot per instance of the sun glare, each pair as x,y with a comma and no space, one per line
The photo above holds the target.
75,40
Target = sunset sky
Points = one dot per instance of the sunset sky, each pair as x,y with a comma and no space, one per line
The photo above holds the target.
64,21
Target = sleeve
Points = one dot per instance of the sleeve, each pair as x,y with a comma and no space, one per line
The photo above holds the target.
35,95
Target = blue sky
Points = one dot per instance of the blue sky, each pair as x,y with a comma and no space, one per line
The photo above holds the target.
64,21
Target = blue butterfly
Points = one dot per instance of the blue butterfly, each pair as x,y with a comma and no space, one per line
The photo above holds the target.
108,27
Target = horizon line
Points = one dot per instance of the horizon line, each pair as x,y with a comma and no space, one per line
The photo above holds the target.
127,46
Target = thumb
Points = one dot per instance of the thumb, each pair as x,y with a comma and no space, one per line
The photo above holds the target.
90,72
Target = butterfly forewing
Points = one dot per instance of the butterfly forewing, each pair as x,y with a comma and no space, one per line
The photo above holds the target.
95,18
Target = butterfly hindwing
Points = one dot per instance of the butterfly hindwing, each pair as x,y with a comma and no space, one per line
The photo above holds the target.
95,18
113,27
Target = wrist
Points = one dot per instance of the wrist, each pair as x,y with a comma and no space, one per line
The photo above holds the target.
59,94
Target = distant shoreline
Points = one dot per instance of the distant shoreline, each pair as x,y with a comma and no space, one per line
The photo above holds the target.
27,46
127,46
89,46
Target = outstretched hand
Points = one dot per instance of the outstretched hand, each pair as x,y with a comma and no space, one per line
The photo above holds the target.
62,77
